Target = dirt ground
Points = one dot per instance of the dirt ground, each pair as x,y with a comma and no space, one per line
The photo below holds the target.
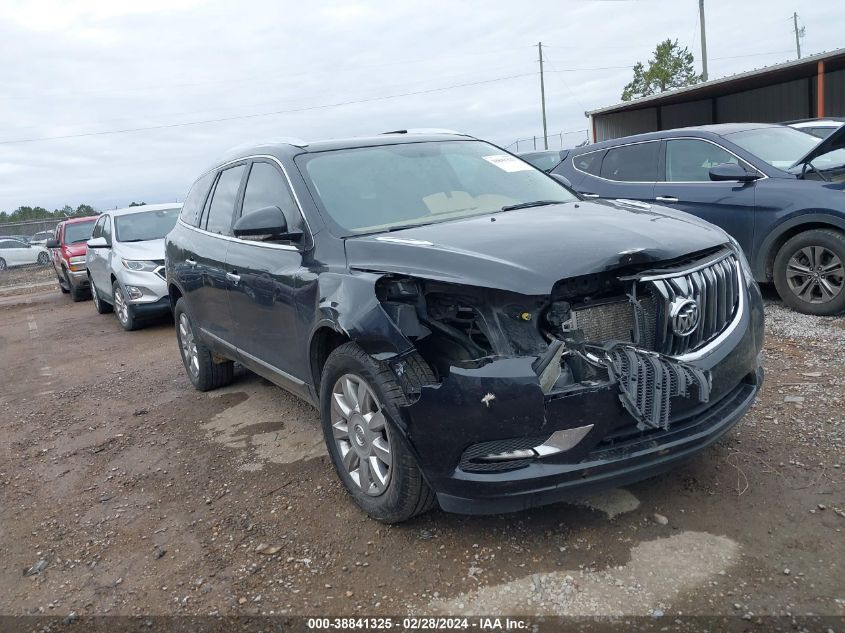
124,491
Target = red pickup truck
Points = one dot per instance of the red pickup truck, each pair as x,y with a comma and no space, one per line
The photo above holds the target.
68,248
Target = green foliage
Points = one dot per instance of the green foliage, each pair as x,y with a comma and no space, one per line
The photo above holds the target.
28,214
137,204
671,67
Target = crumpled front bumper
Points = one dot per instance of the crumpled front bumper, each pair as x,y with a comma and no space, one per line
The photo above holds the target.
503,401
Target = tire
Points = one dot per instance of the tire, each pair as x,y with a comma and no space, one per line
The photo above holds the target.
43,259
821,254
125,312
77,294
392,492
62,285
100,306
2,264
205,374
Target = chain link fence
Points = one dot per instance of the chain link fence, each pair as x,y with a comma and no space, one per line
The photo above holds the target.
30,228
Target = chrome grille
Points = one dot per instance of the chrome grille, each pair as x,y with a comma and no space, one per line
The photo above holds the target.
714,286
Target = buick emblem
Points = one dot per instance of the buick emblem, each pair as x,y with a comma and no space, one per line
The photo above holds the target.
684,315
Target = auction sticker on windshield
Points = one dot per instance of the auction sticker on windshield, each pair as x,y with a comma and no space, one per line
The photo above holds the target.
507,163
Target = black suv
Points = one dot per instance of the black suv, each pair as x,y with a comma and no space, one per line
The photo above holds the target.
473,333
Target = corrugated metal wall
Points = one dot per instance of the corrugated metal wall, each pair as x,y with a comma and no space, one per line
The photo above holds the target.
769,104
834,93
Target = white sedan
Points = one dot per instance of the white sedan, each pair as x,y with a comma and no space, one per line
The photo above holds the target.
16,253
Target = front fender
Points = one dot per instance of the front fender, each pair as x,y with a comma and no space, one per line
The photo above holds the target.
805,216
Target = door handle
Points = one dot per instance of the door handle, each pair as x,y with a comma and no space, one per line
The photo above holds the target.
666,199
590,195
233,277
190,262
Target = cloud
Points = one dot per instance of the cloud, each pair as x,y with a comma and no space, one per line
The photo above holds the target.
87,66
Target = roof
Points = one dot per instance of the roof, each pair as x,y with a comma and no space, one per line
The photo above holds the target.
721,129
87,218
144,208
741,81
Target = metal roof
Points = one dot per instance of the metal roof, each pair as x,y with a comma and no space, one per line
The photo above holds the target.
714,85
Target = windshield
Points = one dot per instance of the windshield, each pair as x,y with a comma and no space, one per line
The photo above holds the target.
78,232
374,189
778,146
145,225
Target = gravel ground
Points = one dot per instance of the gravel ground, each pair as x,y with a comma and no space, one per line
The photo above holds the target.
124,491
19,277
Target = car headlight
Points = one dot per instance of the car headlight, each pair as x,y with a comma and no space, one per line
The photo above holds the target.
139,265
76,260
743,260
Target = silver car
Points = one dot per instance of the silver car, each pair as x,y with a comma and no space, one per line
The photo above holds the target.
125,262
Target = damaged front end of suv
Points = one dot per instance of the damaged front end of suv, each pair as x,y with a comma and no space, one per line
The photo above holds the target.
610,378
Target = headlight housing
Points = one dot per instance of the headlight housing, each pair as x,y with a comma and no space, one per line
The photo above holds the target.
139,265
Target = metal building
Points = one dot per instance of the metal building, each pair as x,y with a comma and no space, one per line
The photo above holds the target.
805,88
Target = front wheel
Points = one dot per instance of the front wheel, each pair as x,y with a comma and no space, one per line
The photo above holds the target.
809,273
203,371
77,294
43,259
125,312
359,398
3,265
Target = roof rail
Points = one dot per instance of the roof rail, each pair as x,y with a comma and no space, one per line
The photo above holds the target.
425,130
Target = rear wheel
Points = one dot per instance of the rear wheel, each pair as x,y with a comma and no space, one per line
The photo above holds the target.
809,272
2,264
99,305
204,373
358,403
43,259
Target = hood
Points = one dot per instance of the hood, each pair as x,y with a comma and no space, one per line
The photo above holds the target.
146,250
76,249
833,142
528,250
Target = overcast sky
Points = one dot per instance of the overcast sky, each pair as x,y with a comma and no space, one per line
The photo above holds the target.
85,67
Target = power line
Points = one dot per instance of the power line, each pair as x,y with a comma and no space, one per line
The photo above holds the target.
264,114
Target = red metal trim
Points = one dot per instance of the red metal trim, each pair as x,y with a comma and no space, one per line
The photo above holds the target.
820,92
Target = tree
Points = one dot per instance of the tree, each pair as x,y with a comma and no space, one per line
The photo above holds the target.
137,204
671,67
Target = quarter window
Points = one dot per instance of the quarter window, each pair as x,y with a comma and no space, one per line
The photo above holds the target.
222,205
690,160
589,163
266,187
631,163
195,200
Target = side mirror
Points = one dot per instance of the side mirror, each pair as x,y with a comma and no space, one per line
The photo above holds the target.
731,171
98,242
562,180
268,223
51,243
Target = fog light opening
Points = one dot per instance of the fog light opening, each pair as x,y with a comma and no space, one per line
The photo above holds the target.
133,292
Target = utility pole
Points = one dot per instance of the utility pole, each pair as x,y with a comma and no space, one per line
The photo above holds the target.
543,97
798,33
703,40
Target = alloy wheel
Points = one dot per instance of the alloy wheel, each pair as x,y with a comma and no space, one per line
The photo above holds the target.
43,259
361,434
188,345
120,305
815,274
2,264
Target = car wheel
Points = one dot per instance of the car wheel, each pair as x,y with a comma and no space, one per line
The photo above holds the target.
809,272
77,294
99,305
62,284
204,373
43,259
125,312
358,403
2,264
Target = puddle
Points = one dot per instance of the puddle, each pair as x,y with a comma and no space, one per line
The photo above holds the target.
269,423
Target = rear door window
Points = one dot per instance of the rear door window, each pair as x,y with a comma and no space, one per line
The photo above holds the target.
631,163
222,206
